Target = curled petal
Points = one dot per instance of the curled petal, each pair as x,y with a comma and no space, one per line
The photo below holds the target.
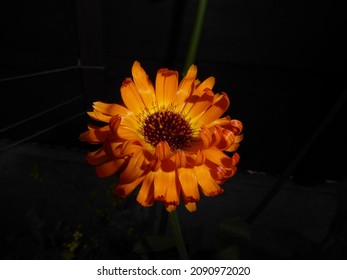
233,147
217,135
219,174
236,158
200,158
238,138
237,126
163,151
222,122
206,137
154,164
228,139
180,159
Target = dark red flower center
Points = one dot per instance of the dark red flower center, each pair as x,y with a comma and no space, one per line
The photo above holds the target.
167,126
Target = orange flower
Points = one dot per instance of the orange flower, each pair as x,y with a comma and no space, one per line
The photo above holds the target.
168,137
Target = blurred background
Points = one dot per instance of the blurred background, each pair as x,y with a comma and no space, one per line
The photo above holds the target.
283,65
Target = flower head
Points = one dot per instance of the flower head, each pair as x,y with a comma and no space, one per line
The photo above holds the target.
169,138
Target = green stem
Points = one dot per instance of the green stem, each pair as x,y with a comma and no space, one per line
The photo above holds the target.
196,34
182,251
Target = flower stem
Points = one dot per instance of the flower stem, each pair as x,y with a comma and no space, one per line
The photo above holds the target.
196,34
182,251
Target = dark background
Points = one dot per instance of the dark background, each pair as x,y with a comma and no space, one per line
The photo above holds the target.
282,64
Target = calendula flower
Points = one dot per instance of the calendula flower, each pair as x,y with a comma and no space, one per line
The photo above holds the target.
168,137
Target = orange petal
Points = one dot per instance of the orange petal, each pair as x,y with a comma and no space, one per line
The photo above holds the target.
95,115
146,194
180,159
124,190
186,86
114,124
228,139
200,106
163,151
96,135
208,185
219,158
223,122
112,149
111,109
97,157
130,147
128,133
191,206
123,131
189,184
208,83
236,158
205,85
200,158
170,207
206,137
134,169
218,172
128,117
217,109
217,135
131,97
109,168
166,187
144,85
237,126
166,84
233,147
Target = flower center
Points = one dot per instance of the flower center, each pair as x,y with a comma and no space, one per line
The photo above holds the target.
167,126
